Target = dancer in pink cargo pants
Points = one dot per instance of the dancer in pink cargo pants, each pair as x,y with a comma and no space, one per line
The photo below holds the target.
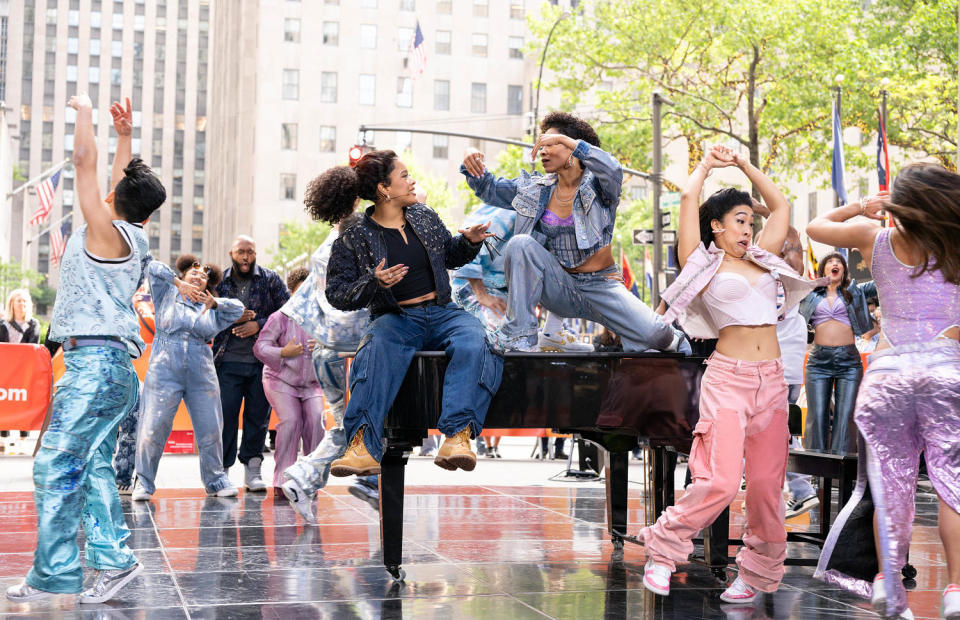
735,291
290,383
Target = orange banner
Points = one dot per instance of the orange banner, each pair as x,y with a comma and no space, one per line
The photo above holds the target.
25,384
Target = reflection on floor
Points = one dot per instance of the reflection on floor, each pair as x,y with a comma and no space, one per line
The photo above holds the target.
472,552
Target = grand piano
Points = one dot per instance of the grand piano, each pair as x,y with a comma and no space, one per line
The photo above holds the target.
611,399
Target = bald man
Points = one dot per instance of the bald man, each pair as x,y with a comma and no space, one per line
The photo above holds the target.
261,292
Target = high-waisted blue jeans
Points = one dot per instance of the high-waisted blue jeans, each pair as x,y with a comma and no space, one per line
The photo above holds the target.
385,353
535,277
72,475
836,372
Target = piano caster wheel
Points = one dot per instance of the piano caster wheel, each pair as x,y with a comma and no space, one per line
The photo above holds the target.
617,543
909,571
397,573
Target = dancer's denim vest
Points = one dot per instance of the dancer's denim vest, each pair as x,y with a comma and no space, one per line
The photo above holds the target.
683,296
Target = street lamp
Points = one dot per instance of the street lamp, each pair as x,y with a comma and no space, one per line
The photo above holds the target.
543,57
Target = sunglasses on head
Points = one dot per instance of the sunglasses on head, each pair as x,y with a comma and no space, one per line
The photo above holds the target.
204,268
491,248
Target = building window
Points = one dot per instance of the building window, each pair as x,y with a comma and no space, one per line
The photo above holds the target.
514,99
288,187
368,4
331,33
368,36
116,49
404,38
291,84
328,139
408,5
515,45
443,42
291,30
404,141
93,75
811,206
367,89
328,87
441,147
441,95
516,9
288,136
478,98
404,92
479,41
481,8
71,73
445,7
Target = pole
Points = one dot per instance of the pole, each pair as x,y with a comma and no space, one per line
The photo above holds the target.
839,91
958,91
543,58
38,178
49,228
643,275
657,178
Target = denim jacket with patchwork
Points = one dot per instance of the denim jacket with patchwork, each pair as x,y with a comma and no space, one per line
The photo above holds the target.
686,304
594,206
351,283
860,320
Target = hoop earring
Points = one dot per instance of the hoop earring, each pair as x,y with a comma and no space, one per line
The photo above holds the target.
569,161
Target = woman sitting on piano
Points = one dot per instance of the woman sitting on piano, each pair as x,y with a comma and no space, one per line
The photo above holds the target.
736,291
393,260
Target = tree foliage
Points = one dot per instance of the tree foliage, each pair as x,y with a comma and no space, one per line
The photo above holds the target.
14,275
298,240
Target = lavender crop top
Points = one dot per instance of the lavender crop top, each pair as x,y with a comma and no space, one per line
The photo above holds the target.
915,310
826,311
730,300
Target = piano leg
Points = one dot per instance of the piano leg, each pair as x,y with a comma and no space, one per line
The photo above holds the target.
392,468
617,471
716,542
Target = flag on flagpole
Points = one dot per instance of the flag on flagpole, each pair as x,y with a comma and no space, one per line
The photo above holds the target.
58,244
813,261
838,156
419,51
883,160
648,269
45,192
628,279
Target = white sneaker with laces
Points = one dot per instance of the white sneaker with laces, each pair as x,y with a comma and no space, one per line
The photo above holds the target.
738,592
301,502
879,596
139,493
109,582
230,491
24,593
563,342
252,479
951,602
656,578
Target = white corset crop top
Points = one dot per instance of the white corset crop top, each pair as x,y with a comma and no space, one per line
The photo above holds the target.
731,300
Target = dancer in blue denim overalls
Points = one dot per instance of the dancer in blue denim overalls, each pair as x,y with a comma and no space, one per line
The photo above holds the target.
181,368
94,319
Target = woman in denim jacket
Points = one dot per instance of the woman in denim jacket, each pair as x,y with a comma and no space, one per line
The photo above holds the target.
838,313
394,262
560,256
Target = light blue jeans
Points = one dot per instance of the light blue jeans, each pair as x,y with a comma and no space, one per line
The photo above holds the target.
72,475
535,277
799,484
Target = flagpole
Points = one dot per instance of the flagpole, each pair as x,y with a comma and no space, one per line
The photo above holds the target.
38,178
52,224
839,100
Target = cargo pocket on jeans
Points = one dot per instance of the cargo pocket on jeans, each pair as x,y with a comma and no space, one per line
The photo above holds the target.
701,452
492,371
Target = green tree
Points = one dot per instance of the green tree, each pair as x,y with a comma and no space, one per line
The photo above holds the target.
297,242
508,163
439,196
14,275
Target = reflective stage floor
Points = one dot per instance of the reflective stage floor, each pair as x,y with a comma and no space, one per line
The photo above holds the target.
470,552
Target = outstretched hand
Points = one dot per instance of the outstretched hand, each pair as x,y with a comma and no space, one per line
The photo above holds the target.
80,101
477,233
391,275
473,162
122,117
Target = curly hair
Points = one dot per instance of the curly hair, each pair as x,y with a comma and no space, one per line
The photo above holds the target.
332,196
139,193
296,277
716,206
844,281
570,126
214,274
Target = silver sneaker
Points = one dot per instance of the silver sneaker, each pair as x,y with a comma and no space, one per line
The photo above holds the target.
108,583
564,341
299,499
24,593
251,475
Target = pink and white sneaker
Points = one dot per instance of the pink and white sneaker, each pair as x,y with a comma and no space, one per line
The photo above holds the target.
951,602
879,597
738,592
656,578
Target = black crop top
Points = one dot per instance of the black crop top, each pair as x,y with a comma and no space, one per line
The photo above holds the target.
419,279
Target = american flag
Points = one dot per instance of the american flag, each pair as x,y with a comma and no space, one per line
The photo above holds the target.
58,244
45,192
419,49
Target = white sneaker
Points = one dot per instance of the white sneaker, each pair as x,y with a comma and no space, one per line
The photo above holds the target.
139,493
878,598
23,593
563,342
656,578
230,491
108,583
298,498
251,475
738,592
951,602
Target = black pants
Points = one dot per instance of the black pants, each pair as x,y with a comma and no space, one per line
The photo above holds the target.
242,383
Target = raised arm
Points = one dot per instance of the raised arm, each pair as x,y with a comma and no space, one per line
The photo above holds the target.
123,124
832,228
778,222
603,165
688,227
493,190
102,238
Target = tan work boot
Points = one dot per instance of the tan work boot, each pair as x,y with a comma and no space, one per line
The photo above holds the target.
356,461
455,452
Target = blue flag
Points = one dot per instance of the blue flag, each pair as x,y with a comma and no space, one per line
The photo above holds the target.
838,156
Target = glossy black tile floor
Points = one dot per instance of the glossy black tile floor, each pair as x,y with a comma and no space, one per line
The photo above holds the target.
470,552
